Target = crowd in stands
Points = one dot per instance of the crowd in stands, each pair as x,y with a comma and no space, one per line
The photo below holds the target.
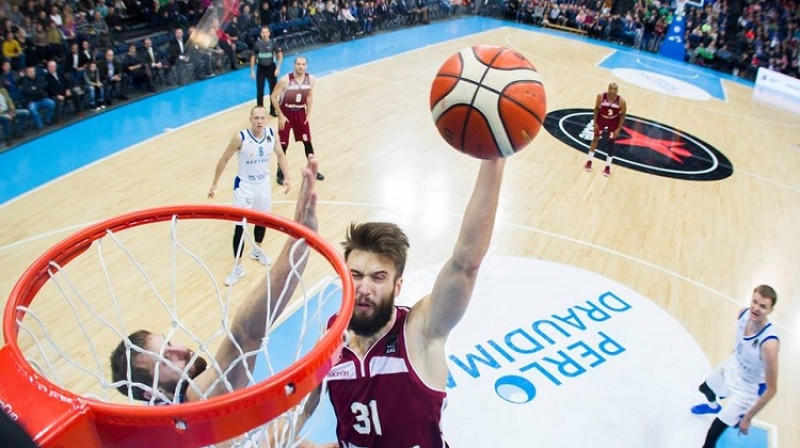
63,59
732,36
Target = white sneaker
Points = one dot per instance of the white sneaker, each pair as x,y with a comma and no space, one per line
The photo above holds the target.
258,254
234,276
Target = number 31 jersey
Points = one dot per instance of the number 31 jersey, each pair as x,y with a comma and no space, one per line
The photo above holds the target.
380,401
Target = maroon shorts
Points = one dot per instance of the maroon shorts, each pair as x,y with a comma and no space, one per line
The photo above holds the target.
610,125
297,123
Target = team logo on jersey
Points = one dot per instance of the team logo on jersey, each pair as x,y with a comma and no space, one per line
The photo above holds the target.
644,145
391,343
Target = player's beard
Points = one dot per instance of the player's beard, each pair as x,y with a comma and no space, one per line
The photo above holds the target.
368,325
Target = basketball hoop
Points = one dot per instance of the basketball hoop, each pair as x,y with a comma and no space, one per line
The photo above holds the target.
33,393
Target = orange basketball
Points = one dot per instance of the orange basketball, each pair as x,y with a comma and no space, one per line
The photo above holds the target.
488,101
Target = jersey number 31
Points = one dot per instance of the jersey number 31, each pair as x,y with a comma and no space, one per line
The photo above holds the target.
366,417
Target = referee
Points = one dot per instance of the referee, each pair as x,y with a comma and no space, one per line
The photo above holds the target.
265,53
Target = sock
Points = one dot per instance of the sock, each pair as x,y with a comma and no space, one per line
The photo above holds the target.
258,234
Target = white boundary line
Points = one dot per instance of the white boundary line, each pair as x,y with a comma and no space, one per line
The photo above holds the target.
785,329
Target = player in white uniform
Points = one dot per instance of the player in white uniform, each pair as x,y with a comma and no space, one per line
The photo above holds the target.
251,188
748,378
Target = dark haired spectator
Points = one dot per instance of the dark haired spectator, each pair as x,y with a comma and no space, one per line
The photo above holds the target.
368,14
15,15
266,14
34,93
115,21
60,90
40,46
101,31
30,9
245,18
137,69
55,16
155,59
55,42
94,85
113,76
10,81
724,59
88,53
102,8
12,50
173,14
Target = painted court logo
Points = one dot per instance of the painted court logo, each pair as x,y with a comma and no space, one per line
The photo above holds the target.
644,145
554,356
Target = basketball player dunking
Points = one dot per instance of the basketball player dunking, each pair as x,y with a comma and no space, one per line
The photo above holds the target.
609,115
388,387
292,98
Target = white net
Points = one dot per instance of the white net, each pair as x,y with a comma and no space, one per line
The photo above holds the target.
154,277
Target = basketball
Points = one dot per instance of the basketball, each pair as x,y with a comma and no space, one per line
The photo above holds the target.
488,102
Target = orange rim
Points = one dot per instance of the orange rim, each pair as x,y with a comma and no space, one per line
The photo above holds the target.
267,396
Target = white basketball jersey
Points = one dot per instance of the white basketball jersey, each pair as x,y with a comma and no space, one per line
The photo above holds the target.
748,349
254,155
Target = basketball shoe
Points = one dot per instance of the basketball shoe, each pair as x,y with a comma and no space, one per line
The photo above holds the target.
320,176
706,408
258,254
588,166
607,171
238,272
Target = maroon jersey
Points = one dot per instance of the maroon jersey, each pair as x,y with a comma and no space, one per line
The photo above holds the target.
380,401
608,116
296,92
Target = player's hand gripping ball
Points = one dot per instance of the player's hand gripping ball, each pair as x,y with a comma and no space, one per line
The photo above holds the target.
488,101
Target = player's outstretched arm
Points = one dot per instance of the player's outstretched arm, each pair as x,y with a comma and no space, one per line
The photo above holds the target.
310,97
597,102
234,145
275,97
448,301
283,164
249,325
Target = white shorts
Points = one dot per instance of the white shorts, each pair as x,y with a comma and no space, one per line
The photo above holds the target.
726,381
252,195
